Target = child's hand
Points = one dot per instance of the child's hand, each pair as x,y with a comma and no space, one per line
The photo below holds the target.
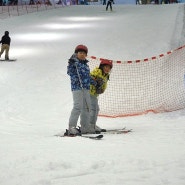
73,60
99,90
99,86
100,82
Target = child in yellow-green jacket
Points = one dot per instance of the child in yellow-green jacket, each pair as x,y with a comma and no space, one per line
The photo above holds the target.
101,76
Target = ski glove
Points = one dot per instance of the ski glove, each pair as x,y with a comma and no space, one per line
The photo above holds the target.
99,85
99,91
99,82
73,60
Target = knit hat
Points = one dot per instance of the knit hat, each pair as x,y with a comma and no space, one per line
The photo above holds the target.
106,62
81,48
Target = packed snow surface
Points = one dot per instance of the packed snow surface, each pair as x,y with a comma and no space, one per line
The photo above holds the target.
36,100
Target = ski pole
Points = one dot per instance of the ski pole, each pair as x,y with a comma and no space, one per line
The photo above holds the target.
79,76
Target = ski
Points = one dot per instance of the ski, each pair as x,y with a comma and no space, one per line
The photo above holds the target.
95,137
118,131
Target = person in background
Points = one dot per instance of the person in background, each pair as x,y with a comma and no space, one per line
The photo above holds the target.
137,2
101,76
109,3
104,2
79,73
5,40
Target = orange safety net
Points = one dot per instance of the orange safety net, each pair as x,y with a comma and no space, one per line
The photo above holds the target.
137,87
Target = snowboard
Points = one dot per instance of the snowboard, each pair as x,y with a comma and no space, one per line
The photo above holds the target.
10,60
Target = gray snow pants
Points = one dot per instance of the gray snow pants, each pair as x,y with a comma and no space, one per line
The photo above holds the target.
81,108
94,110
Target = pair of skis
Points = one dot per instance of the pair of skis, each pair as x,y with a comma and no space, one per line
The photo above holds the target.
100,136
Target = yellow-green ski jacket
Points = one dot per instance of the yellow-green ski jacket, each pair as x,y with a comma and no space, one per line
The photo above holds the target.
98,75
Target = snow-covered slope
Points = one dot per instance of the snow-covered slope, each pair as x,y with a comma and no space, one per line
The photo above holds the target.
35,99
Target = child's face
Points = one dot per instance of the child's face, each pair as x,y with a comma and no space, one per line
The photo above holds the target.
81,55
106,69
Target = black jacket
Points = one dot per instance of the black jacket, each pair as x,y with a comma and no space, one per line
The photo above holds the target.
5,39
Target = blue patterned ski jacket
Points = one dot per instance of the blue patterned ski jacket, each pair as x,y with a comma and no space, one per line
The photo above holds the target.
84,73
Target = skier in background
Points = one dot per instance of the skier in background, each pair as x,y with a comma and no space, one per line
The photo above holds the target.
109,3
5,40
101,76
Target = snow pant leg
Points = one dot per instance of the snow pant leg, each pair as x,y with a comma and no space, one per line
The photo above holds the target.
7,47
77,107
81,107
94,110
108,4
85,113
111,6
2,49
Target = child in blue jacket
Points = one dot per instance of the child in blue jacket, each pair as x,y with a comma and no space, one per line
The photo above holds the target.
79,73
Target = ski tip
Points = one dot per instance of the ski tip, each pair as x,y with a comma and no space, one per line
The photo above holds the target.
100,136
